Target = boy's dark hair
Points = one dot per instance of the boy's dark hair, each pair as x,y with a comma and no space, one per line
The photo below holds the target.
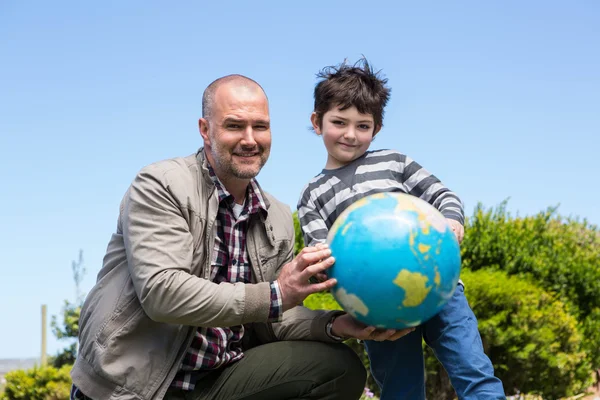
351,85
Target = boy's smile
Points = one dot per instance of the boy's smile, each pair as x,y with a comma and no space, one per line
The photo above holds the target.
347,134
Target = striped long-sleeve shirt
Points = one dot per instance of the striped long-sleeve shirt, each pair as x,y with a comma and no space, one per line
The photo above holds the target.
328,194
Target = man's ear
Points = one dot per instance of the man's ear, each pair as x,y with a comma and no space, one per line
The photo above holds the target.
316,122
377,129
203,127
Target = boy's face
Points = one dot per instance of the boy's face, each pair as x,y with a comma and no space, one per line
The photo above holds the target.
347,134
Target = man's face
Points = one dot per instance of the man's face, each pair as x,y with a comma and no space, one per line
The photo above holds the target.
237,133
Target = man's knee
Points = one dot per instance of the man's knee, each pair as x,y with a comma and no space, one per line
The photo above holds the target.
345,370
354,367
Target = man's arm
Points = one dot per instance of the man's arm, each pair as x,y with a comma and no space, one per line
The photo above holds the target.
301,323
160,248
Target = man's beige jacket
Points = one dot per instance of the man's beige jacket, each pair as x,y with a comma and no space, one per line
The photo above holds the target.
154,288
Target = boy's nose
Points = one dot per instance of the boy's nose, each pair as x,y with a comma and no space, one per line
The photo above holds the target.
350,133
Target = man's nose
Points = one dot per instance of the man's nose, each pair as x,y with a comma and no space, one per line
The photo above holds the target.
248,137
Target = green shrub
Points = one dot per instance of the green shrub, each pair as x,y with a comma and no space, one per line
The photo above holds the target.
39,383
321,301
529,335
560,255
299,242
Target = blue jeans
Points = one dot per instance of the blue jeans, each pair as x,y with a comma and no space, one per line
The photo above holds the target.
399,369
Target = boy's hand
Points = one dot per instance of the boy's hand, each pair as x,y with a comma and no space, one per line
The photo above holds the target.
347,327
457,228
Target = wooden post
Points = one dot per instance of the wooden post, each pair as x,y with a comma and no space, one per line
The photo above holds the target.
44,359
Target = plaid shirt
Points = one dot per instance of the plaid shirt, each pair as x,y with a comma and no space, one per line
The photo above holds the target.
212,348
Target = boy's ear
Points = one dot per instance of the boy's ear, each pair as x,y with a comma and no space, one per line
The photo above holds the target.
315,121
377,129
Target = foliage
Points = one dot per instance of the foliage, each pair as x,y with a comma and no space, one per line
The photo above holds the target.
299,243
68,328
321,301
529,335
52,382
560,255
65,357
45,383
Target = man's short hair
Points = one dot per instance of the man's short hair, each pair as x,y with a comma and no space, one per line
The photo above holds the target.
351,85
208,97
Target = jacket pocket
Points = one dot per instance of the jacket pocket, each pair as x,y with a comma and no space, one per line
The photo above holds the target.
269,265
272,259
120,318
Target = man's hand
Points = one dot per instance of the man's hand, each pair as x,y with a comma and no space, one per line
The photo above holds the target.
294,277
457,228
347,327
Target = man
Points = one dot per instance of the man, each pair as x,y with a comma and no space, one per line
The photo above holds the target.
199,292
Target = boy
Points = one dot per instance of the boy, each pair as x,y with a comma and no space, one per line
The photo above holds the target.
348,113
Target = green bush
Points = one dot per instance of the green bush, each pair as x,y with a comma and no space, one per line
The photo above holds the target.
560,255
529,335
299,242
39,383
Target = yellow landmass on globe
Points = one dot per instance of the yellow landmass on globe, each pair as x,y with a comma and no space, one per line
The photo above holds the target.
405,203
424,223
415,287
365,200
345,229
431,217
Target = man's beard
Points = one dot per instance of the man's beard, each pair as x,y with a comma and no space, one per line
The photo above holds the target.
224,160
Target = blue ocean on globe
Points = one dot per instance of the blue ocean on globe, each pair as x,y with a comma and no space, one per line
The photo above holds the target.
397,260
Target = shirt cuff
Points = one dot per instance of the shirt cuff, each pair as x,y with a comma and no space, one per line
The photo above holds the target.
275,311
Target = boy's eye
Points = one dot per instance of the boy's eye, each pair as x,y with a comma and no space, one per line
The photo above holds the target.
338,122
363,126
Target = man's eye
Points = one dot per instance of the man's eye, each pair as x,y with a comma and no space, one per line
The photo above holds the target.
261,127
233,126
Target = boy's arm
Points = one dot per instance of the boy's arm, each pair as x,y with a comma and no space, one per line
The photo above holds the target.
419,182
314,229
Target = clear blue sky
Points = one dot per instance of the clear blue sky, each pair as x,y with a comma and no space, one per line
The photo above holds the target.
499,99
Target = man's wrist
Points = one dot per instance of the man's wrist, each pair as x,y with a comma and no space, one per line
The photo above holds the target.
329,329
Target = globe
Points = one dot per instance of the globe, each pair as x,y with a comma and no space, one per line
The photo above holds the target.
397,260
